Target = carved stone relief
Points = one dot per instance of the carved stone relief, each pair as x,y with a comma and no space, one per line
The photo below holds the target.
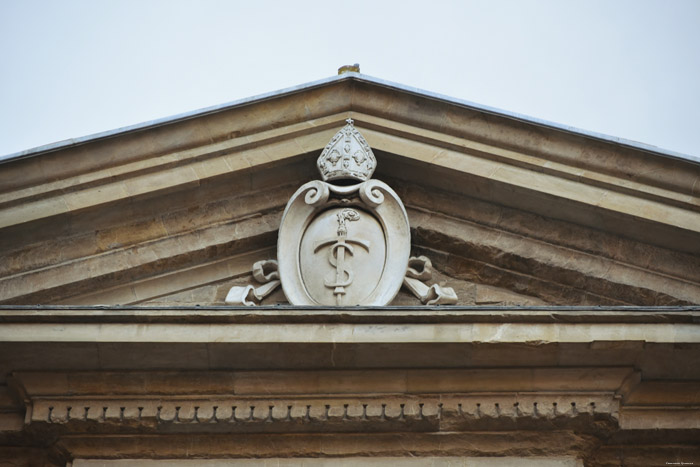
345,240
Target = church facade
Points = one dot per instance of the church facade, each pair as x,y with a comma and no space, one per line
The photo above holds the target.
349,272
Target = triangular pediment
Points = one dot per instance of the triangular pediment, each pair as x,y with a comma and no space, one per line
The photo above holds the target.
510,211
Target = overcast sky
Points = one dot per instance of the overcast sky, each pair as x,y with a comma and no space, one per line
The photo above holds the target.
629,69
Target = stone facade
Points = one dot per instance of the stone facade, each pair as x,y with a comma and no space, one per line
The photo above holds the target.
575,263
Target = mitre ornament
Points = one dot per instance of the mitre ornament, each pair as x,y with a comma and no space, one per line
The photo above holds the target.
347,156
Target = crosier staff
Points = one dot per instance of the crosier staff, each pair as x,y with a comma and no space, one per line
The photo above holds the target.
336,255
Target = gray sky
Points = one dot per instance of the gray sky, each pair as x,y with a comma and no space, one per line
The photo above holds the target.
624,68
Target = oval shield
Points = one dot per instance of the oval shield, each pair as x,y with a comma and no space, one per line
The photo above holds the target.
342,256
343,245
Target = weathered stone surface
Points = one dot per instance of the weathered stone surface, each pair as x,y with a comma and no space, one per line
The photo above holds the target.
509,213
331,447
348,462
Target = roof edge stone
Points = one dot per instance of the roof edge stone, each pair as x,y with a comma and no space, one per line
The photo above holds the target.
347,76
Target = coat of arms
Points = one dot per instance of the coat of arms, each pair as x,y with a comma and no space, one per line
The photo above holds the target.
344,240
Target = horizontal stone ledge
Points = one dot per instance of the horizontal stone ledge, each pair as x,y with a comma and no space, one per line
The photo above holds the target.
288,314
344,333
539,383
435,461
325,445
660,418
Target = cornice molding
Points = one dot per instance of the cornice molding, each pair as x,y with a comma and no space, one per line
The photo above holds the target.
52,195
288,314
322,330
343,78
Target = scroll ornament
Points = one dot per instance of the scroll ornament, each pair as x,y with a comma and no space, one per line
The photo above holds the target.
250,295
421,269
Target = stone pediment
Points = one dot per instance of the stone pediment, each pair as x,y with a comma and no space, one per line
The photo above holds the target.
165,220
509,211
